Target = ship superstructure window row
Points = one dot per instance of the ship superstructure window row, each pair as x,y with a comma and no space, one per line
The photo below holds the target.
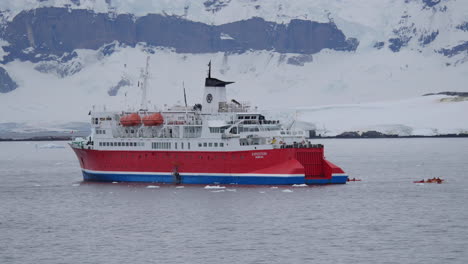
100,131
210,144
218,129
161,145
121,144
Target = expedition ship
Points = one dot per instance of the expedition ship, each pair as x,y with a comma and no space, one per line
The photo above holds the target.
215,142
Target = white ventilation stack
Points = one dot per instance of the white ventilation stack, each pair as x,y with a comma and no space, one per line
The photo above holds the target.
215,94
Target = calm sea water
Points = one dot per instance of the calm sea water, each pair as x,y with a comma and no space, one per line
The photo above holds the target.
48,215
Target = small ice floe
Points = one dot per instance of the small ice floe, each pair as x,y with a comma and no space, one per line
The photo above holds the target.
274,187
37,185
231,190
262,192
152,187
51,146
217,191
214,187
58,163
287,191
300,185
180,187
114,182
75,184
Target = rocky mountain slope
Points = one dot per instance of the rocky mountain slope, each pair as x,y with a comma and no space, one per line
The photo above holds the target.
60,57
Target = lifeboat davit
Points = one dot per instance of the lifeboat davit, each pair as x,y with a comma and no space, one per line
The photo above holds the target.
133,119
155,119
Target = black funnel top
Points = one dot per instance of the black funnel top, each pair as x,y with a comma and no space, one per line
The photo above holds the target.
213,82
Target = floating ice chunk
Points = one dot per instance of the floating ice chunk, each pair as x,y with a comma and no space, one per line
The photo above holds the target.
75,184
37,185
262,192
231,190
51,146
217,191
214,187
287,191
179,187
152,187
274,187
300,185
114,182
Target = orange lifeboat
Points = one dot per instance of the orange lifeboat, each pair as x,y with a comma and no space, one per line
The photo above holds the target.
155,119
133,119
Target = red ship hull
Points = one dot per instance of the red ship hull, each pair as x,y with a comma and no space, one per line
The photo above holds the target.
273,166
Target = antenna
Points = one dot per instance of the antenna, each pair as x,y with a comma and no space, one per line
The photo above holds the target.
145,75
185,99
209,69
185,96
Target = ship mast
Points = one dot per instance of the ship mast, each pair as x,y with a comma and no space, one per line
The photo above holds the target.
144,75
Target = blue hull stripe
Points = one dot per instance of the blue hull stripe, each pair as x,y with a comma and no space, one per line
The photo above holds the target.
209,179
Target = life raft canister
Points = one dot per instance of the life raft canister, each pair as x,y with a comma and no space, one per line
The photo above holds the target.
133,119
155,119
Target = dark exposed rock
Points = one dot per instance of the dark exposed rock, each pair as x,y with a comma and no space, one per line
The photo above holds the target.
462,94
115,89
397,43
372,134
379,45
403,34
300,60
35,34
352,134
450,52
68,56
353,44
108,49
6,83
215,5
427,39
431,3
58,68
56,31
463,26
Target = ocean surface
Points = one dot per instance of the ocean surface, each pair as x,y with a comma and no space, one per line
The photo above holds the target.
48,215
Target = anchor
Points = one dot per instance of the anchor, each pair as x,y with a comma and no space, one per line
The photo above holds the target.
176,177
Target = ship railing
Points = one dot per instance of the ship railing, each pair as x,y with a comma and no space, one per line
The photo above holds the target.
183,122
301,145
227,136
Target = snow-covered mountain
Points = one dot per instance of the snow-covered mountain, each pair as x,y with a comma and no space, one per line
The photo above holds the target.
60,57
